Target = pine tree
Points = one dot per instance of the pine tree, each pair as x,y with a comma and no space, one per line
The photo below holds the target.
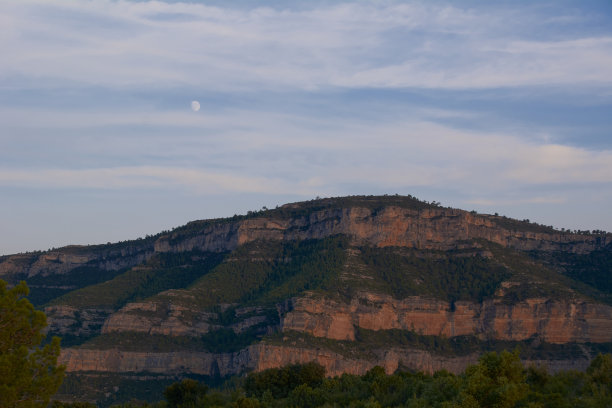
29,374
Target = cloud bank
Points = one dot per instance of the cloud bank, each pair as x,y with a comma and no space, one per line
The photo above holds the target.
352,45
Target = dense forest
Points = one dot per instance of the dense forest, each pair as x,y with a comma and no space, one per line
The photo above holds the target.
498,380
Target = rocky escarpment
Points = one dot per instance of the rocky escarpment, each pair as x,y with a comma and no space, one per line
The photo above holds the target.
434,228
550,321
175,320
553,321
64,319
113,257
430,228
257,357
263,356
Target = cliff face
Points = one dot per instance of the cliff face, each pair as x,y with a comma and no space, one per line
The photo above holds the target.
258,357
64,319
174,320
434,228
65,260
263,356
551,321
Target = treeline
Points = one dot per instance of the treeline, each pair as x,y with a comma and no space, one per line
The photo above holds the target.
498,380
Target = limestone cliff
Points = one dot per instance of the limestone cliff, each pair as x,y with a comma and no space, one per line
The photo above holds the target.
552,321
435,228
263,356
430,228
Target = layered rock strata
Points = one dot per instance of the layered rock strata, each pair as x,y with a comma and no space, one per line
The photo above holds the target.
552,321
263,356
433,228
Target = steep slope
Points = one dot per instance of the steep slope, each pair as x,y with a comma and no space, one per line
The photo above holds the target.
349,282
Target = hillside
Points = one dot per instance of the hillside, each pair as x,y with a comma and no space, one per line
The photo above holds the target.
348,282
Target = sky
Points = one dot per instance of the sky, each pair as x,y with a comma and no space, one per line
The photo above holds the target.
489,106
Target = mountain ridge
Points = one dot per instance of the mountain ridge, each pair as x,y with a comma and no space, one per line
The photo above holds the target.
349,282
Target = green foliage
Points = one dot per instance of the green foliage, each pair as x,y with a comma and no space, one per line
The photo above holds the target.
223,340
29,374
599,384
531,279
498,380
59,404
369,342
185,394
269,271
279,382
458,345
107,389
522,226
442,275
162,272
44,288
593,269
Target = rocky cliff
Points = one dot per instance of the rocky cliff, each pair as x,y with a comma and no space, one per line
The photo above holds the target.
260,357
434,228
553,321
430,228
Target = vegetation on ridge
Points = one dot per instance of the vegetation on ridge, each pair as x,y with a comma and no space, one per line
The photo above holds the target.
162,272
264,272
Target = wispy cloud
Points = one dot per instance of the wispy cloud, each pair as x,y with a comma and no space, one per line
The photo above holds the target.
389,45
200,181
403,155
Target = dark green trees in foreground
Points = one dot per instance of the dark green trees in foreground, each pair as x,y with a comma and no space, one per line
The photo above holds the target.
29,374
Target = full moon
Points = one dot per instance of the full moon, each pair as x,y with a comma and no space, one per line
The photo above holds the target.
195,106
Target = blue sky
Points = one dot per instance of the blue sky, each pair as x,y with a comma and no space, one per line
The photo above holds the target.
489,106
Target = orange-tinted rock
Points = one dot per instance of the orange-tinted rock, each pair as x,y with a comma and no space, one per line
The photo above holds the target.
551,321
263,356
433,228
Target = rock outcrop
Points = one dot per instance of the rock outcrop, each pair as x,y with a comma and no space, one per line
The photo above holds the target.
257,357
552,321
436,228
65,319
263,356
432,228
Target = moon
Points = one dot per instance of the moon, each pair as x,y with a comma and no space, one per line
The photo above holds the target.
195,106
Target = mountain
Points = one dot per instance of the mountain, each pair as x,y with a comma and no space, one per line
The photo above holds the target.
348,282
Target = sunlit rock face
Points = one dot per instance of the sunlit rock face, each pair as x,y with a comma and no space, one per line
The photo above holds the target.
433,228
551,321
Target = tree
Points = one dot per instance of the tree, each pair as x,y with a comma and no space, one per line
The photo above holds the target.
29,374
599,384
498,380
185,394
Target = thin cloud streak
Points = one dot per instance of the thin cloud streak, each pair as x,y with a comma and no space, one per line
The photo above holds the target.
353,45
143,177
423,154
